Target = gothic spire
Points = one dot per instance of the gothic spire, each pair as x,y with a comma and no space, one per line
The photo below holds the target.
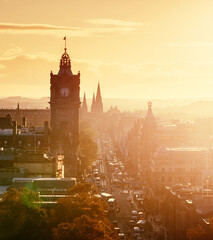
149,119
84,105
99,103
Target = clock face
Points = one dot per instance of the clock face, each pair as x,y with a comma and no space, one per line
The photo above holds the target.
64,92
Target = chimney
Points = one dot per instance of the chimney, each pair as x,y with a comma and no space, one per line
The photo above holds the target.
24,122
14,133
46,133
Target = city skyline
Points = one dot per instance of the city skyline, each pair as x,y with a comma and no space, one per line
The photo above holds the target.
147,49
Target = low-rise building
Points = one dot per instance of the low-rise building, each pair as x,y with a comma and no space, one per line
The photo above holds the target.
186,207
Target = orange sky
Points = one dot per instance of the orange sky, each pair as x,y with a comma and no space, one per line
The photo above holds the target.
135,49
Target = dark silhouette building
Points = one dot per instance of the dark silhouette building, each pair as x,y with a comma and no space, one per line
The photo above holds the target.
64,104
84,110
97,104
98,101
34,117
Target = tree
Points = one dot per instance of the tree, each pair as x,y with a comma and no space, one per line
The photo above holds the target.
82,228
81,201
88,147
21,215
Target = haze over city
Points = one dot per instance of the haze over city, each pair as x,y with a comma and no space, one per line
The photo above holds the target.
106,120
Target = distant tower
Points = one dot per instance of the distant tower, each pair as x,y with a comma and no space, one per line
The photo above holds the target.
83,111
93,106
65,103
18,114
148,141
149,121
84,105
98,101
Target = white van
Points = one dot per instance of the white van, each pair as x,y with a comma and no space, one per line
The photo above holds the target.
112,204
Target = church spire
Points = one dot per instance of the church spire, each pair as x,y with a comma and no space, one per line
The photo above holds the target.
84,105
149,119
99,103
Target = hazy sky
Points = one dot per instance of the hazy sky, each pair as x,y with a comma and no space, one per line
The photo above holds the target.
136,49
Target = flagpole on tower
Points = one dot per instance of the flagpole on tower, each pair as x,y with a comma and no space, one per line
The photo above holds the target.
65,38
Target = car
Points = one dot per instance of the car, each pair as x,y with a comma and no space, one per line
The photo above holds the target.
141,215
136,232
141,224
134,215
131,223
117,229
121,235
115,223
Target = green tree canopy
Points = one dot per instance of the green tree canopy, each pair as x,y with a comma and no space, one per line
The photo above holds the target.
81,201
21,215
87,145
82,228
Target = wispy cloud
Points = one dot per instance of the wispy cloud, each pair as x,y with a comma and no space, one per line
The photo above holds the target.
114,22
190,44
46,29
15,50
147,69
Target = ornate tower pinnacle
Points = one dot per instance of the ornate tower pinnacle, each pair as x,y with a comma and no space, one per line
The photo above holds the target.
149,104
149,119
65,63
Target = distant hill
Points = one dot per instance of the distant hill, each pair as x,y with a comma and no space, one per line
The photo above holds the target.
164,108
11,102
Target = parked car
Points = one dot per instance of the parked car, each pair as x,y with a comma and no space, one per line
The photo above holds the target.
136,232
134,215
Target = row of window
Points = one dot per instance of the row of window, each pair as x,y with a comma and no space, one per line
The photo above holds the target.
176,179
20,143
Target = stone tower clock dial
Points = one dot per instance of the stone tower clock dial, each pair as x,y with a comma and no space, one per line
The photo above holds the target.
65,92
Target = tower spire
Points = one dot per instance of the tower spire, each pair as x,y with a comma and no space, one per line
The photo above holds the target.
65,62
99,103
149,119
84,105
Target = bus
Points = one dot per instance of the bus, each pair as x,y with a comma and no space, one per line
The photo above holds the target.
106,196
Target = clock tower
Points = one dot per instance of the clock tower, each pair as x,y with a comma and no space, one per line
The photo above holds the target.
64,104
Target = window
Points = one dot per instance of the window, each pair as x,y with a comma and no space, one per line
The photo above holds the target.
5,143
